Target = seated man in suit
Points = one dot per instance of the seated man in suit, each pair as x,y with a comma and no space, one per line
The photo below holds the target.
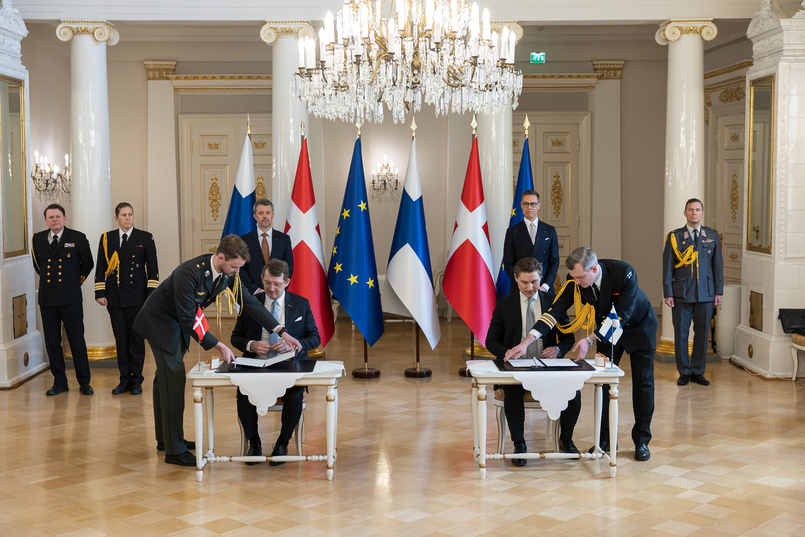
293,312
513,317
264,243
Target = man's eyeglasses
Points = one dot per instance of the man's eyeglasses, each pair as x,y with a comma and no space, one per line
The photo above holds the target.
527,205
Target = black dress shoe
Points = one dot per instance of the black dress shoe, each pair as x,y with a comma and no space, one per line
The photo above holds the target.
568,447
519,447
279,449
255,450
56,389
136,389
641,452
699,379
121,388
187,443
86,389
182,459
683,380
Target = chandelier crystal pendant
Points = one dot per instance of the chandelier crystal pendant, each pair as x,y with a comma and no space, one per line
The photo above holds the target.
440,52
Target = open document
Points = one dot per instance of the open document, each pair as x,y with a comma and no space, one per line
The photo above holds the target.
259,362
528,362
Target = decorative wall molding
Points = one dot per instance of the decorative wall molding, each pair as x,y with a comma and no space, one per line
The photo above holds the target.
159,69
728,69
727,93
102,31
217,77
608,69
672,30
271,30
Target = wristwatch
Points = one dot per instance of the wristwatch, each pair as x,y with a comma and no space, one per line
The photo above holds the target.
281,331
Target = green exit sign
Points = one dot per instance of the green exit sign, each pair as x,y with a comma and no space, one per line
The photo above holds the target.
537,57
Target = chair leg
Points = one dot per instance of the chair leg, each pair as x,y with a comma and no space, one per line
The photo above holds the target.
501,419
796,362
299,433
244,442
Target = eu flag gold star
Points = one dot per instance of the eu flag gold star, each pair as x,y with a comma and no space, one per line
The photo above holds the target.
338,267
334,249
514,211
352,279
338,230
370,283
362,205
345,214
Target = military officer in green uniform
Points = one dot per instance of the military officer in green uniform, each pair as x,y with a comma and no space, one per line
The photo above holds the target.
125,274
173,314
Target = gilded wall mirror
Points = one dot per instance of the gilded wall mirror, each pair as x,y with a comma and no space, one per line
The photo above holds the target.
12,164
761,165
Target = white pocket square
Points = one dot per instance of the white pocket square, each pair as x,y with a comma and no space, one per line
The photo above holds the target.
297,319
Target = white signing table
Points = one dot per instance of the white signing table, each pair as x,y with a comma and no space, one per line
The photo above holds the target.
325,374
485,373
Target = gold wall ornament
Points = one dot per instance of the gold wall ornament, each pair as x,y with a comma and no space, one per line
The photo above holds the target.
732,94
213,145
102,31
271,30
557,142
735,137
608,69
214,197
708,97
159,69
734,196
733,256
557,195
259,145
260,187
672,30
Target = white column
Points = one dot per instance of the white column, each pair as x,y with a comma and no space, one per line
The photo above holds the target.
606,233
91,195
161,214
684,130
287,112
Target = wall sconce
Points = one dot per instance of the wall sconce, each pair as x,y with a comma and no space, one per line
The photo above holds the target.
50,184
385,181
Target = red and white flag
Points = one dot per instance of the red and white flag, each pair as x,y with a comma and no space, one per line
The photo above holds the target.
200,325
309,273
469,281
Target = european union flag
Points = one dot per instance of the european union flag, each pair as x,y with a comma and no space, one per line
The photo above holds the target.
525,181
353,272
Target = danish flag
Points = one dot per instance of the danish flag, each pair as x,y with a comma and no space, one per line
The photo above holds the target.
302,226
200,325
469,278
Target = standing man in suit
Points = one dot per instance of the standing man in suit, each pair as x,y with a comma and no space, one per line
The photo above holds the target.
249,337
264,243
692,283
513,317
125,274
532,238
172,315
63,260
599,285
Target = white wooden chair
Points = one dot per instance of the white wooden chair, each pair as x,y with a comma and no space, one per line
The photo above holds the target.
551,426
299,431
797,344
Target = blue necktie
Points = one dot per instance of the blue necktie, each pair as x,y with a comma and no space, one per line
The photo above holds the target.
273,337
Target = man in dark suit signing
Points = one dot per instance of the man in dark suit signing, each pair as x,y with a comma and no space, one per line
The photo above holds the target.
63,260
264,243
692,283
513,317
172,315
125,275
598,285
532,238
293,312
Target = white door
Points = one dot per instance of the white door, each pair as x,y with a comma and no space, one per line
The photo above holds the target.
730,195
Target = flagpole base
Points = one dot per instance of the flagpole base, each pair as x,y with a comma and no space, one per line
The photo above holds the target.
463,372
418,372
478,351
366,373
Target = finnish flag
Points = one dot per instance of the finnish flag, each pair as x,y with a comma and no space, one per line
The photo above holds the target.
611,327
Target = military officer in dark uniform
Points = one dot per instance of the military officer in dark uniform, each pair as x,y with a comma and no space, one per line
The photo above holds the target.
125,274
63,260
172,315
692,284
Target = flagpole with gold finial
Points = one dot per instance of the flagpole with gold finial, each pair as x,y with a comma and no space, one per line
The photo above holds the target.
248,125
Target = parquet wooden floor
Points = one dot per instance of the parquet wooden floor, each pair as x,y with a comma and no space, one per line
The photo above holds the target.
728,459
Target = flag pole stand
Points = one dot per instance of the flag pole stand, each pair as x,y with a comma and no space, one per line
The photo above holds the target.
417,372
365,372
462,371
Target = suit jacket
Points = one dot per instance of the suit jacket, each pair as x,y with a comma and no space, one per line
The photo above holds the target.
506,327
168,315
299,322
686,284
137,275
619,288
61,272
545,249
280,249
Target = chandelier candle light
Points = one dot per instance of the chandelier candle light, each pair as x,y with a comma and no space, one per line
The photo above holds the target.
442,52
49,183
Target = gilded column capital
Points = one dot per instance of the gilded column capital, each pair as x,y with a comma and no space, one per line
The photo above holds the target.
102,31
271,30
608,69
670,31
159,69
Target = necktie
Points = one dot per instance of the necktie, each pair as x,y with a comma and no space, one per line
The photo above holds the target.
273,337
215,283
264,247
55,242
532,231
535,349
125,240
595,292
696,237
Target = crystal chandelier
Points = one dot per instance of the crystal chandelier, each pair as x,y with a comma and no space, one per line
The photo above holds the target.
49,182
385,181
441,52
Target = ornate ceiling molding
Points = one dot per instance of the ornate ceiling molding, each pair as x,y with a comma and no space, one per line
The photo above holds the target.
159,69
672,30
271,30
729,69
608,69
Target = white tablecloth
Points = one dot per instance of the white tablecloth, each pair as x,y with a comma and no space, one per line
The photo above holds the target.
263,389
553,389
